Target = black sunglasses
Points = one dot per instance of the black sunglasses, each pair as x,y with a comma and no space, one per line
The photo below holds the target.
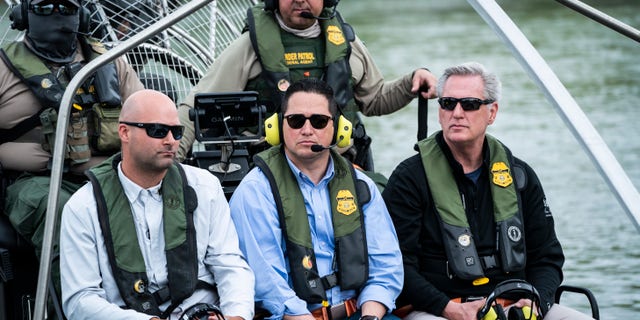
467,104
158,130
318,121
47,9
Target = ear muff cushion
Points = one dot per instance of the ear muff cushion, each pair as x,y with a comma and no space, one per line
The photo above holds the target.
272,129
330,3
521,314
490,315
270,5
343,132
85,19
18,15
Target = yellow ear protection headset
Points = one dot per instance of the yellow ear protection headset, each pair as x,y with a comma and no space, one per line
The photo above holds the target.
512,289
20,13
342,129
271,5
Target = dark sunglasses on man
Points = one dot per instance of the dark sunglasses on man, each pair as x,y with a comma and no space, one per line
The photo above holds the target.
318,121
65,9
158,130
467,104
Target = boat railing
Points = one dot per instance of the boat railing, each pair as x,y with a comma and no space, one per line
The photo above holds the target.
496,18
566,106
602,18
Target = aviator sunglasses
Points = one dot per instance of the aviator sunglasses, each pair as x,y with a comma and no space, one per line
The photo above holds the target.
467,104
318,121
47,9
158,130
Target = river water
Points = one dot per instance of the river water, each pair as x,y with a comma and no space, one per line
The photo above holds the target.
597,65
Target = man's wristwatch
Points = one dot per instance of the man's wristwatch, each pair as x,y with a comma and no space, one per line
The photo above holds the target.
369,318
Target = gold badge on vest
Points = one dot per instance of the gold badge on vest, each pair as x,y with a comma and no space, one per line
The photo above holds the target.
501,175
346,202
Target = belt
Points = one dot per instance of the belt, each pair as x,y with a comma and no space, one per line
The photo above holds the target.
336,312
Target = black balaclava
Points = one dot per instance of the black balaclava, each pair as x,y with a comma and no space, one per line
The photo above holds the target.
53,37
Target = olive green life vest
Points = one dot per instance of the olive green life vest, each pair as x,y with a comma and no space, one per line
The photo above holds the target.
461,252
286,58
119,232
348,195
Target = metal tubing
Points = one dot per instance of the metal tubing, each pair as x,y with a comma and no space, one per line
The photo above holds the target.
565,105
602,18
61,137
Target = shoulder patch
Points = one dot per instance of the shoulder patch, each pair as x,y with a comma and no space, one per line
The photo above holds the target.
96,45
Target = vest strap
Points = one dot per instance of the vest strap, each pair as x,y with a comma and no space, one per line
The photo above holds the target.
20,129
329,281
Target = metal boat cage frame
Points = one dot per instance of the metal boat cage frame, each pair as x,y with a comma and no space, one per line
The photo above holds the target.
176,41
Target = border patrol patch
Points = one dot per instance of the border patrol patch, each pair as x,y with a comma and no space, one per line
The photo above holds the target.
501,175
346,202
335,36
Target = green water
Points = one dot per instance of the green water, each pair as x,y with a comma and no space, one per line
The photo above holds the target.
598,66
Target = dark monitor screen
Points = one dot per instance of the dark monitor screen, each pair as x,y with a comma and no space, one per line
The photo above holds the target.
227,116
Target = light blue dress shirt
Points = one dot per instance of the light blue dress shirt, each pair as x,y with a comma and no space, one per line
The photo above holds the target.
256,218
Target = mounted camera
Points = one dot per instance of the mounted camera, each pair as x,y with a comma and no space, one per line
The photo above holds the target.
225,124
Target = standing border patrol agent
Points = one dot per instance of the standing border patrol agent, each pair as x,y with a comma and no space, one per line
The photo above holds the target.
315,230
470,215
288,40
34,73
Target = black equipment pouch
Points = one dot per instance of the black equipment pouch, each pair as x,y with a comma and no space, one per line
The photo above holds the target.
107,88
105,113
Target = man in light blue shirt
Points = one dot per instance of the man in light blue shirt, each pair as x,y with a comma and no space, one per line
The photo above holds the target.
313,234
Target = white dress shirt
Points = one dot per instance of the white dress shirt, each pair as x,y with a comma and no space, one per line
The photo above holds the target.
89,290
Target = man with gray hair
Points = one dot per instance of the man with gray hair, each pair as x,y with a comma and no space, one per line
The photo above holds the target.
471,217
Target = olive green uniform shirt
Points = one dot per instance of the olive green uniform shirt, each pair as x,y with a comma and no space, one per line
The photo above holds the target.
239,63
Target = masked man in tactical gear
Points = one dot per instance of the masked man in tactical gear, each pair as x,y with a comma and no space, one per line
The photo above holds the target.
34,73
